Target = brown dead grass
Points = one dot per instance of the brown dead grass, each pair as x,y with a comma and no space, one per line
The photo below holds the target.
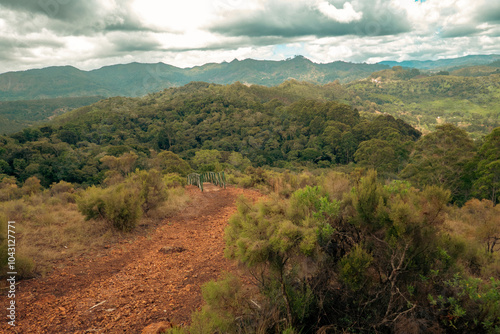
49,228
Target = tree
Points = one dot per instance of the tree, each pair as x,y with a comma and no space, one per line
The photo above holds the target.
123,164
169,162
485,216
487,184
207,160
378,154
441,158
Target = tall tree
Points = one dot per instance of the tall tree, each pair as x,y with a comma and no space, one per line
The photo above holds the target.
441,158
487,184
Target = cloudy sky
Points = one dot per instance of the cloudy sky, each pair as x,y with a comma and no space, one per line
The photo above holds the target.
89,34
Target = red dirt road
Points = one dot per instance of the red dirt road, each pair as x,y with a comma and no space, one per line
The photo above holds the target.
134,283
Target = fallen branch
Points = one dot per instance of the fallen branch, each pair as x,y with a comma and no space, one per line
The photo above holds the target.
97,305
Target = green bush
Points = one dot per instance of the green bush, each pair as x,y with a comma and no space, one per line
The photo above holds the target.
91,202
225,301
152,189
470,305
122,207
354,266
172,180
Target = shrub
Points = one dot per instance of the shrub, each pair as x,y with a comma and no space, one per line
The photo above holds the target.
336,184
61,187
152,189
91,203
239,179
122,207
354,266
25,267
225,301
31,186
172,180
8,189
64,191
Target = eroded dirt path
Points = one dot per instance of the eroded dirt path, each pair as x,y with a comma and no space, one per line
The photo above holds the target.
134,283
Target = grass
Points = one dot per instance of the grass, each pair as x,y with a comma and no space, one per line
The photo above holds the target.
49,228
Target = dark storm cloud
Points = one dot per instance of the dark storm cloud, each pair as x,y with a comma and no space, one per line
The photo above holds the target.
65,10
133,43
460,31
74,17
11,42
281,19
489,12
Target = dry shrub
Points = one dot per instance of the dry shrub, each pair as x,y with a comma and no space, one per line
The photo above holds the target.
14,210
31,186
336,184
9,189
63,192
112,178
61,187
284,184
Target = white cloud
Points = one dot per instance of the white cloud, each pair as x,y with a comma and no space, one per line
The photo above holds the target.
90,33
345,15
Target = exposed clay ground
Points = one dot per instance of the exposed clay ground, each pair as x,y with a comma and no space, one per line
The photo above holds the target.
137,282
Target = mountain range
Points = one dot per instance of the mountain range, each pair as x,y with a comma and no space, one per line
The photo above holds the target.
37,95
138,79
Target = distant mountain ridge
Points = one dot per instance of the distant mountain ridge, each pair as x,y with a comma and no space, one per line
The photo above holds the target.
442,64
137,79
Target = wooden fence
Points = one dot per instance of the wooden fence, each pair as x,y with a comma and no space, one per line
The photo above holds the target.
219,179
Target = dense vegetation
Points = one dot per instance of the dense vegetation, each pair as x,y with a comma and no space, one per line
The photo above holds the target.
426,101
464,96
402,237
356,255
269,126
274,127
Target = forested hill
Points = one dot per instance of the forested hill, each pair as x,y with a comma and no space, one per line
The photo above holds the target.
138,79
427,100
269,126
